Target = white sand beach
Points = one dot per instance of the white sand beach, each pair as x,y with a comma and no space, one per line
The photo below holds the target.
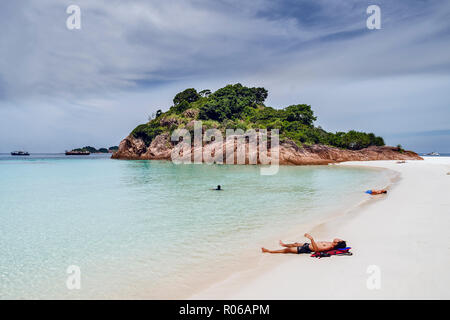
404,234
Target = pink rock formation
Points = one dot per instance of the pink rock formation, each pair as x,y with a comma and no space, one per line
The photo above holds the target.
290,154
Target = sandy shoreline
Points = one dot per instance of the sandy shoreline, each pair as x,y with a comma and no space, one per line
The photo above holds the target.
404,235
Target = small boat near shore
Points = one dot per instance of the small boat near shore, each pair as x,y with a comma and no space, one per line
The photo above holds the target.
20,153
432,154
77,153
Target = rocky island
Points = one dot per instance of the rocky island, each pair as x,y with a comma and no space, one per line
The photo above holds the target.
239,107
94,150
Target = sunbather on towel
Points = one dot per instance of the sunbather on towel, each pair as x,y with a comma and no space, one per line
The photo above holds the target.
314,246
375,192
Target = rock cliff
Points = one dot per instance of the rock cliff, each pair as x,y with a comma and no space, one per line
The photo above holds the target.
290,153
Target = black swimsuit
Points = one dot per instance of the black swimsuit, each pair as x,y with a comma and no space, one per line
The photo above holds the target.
304,248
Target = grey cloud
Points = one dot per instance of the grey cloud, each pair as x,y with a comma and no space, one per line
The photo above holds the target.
130,57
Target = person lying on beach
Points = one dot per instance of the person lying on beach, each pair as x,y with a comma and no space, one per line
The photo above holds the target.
375,192
314,246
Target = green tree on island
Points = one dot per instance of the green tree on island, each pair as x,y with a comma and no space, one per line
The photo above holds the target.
236,106
94,150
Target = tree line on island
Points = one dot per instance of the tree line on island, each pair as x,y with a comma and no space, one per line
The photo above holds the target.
94,150
236,106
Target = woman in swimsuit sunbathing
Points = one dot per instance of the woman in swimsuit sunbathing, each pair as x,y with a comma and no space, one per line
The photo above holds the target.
375,192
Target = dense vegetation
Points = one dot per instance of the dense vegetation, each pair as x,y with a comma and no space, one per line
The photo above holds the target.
100,150
237,106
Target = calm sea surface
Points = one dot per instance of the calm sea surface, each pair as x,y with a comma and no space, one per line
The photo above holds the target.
149,229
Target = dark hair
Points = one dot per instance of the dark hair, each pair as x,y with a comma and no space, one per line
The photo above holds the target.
341,245
384,191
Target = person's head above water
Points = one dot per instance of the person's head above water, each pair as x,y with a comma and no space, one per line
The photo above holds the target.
339,243
218,187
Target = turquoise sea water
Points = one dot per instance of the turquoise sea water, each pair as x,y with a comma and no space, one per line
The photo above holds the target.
149,229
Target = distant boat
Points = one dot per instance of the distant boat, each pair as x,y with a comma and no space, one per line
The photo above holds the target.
77,153
432,154
20,153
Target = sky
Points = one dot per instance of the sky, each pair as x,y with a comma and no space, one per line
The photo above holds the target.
61,88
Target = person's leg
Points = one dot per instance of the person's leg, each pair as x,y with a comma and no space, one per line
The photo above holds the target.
285,250
290,245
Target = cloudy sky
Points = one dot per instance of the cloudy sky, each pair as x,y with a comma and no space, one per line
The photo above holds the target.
62,88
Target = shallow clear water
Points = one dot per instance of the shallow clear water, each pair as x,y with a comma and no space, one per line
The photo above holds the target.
146,229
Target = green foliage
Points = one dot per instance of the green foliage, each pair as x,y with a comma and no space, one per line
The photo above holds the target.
87,148
188,95
114,148
239,107
355,140
232,102
92,149
214,111
147,132
181,107
210,124
301,113
236,124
